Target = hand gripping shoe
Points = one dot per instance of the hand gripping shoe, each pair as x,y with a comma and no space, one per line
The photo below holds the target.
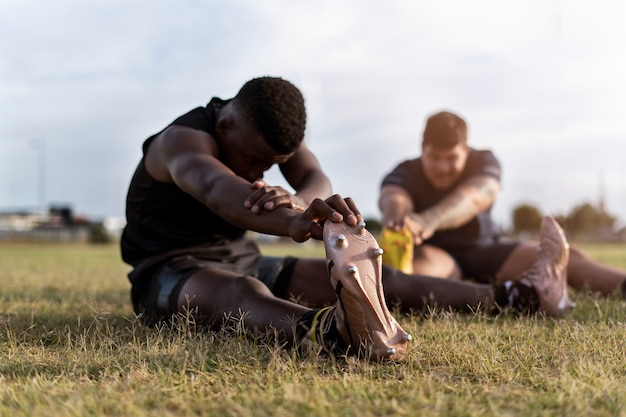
354,263
548,275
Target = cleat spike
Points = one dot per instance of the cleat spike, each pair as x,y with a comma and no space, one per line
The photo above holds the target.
407,337
378,252
362,316
341,240
361,227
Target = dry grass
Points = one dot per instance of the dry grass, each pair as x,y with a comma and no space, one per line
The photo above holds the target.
70,346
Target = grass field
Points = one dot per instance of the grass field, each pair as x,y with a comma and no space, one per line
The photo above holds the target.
70,346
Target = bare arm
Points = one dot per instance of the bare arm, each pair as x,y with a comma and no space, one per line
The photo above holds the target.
304,173
462,204
395,205
188,157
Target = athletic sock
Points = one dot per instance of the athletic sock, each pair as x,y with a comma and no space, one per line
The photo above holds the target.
501,297
319,326
522,298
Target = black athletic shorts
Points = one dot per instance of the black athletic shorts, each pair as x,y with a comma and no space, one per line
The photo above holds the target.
481,262
155,296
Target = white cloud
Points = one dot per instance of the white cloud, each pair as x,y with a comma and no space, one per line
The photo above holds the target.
539,81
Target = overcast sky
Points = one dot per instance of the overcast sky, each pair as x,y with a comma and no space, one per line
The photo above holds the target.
540,82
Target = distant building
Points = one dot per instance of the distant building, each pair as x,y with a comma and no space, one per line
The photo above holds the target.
57,225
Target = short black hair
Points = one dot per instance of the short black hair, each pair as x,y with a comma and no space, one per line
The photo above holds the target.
445,130
275,107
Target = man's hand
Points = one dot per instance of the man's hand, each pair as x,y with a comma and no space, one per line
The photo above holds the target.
266,197
420,227
310,223
395,205
394,221
417,224
462,203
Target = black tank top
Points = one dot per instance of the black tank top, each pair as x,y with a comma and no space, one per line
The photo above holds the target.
162,220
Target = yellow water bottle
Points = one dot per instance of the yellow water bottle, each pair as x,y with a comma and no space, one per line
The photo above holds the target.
397,246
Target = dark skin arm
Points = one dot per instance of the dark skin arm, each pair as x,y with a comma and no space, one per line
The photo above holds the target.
304,173
188,157
465,202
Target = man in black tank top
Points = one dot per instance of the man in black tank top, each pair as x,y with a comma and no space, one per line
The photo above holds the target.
445,197
199,187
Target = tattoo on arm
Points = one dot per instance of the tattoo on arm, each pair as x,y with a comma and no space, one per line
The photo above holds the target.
463,203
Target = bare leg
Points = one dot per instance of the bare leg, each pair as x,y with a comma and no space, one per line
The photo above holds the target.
586,273
520,260
217,294
582,271
435,262
310,285
417,292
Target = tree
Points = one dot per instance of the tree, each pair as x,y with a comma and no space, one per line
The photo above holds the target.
588,218
526,218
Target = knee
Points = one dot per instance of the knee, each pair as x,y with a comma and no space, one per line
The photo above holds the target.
219,293
576,253
433,261
456,273
247,283
246,286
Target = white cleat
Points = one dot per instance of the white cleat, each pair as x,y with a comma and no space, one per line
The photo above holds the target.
355,265
548,275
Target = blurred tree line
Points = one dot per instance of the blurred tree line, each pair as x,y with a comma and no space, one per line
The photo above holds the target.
582,219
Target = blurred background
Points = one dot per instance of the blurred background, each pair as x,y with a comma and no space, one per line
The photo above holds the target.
540,82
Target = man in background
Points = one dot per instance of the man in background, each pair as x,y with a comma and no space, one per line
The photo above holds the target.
444,198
